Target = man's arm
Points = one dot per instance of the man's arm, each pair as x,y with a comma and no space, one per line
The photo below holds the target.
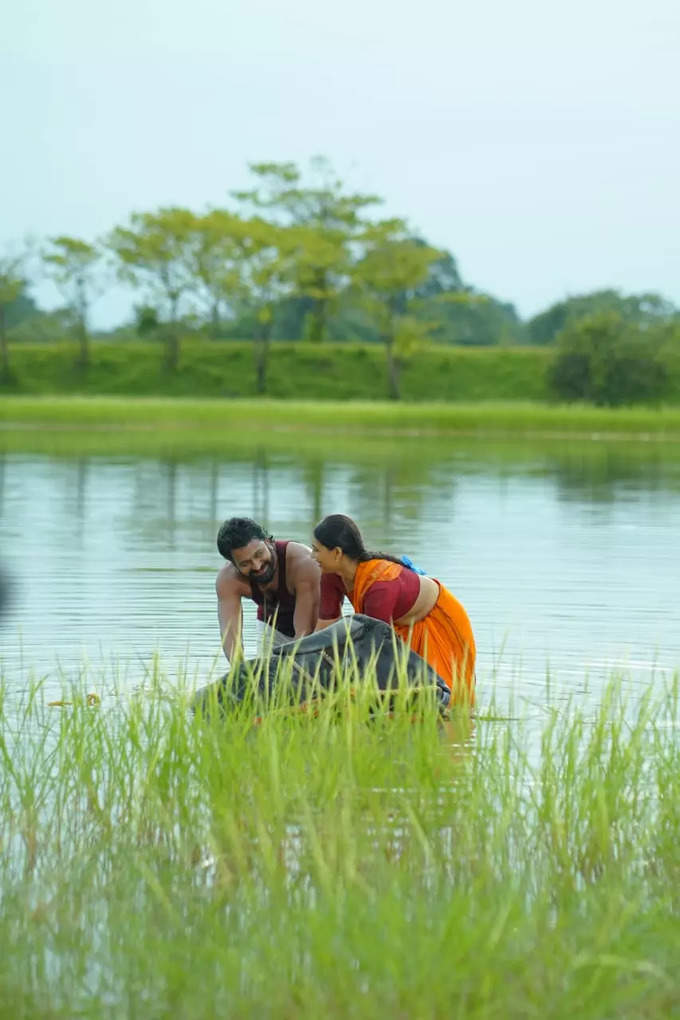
229,616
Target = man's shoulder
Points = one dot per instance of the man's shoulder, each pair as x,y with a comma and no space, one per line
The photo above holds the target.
230,582
300,566
298,550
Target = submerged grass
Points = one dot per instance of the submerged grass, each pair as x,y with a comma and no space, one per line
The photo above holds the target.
338,862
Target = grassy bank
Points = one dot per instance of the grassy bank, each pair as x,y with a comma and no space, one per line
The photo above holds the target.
296,370
156,865
185,427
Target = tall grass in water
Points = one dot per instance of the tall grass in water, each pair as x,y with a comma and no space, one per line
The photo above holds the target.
338,862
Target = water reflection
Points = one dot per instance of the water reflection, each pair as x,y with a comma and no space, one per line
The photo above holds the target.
565,554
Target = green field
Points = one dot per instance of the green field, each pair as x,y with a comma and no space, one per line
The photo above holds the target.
336,864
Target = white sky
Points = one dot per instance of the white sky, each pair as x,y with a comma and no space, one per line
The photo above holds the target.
538,141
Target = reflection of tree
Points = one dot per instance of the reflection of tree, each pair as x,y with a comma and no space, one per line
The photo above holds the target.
261,485
313,475
4,584
374,486
377,496
599,472
171,501
82,472
387,495
214,488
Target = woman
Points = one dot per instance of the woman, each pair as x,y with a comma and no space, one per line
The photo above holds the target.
421,610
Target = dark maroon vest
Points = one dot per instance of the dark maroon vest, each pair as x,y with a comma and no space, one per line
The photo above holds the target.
276,607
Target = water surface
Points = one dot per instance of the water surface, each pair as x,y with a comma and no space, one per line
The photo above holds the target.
566,555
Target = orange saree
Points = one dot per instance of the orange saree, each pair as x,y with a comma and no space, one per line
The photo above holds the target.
443,638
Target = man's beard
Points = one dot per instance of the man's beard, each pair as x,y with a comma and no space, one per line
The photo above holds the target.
267,573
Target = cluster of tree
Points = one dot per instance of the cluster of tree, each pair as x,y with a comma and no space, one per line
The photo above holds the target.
296,260
292,260
605,358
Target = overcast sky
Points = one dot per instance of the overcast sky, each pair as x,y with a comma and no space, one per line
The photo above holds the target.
538,141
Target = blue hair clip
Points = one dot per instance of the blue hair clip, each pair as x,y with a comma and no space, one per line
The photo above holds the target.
408,562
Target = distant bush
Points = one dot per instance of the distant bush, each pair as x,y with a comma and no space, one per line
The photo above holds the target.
641,310
603,359
43,327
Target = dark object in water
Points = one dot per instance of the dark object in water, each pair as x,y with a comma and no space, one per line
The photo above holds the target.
357,644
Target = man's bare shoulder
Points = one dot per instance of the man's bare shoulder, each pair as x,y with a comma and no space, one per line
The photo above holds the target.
230,583
299,564
298,551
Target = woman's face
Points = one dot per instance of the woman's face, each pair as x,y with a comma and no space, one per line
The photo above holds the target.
326,558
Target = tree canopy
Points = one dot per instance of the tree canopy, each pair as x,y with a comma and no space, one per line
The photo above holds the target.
642,309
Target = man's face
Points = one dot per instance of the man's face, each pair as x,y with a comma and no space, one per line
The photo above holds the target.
257,560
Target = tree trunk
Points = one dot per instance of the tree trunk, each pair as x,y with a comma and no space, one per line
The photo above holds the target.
172,337
215,320
392,369
261,358
4,366
317,322
319,313
83,340
172,347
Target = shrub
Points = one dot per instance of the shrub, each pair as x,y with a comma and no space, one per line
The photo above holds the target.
603,359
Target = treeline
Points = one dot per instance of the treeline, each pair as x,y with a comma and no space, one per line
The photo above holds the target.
306,260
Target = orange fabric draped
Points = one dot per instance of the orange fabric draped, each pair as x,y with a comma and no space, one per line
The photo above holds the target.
443,638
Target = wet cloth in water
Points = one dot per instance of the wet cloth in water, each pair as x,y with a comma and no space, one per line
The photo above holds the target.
357,646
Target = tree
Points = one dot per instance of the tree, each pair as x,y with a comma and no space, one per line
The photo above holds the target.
322,203
328,220
606,360
72,265
386,277
269,256
12,284
218,254
320,267
22,309
156,252
471,318
641,309
442,276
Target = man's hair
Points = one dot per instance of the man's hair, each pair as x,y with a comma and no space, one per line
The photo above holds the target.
237,532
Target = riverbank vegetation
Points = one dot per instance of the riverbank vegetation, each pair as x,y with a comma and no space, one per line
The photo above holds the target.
593,362
232,421
302,258
295,371
325,864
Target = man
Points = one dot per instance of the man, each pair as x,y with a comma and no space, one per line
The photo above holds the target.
281,577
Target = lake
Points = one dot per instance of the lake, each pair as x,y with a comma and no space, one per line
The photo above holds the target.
565,554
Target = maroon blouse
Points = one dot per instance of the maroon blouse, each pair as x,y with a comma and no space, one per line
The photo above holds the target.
384,600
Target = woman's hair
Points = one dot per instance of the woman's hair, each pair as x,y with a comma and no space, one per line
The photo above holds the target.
339,531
